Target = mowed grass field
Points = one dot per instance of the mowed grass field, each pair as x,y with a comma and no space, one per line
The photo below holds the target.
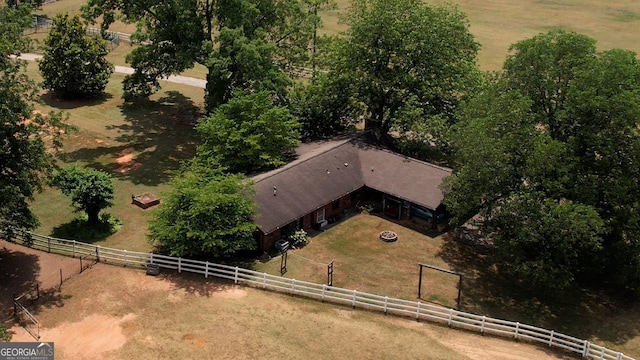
363,262
139,144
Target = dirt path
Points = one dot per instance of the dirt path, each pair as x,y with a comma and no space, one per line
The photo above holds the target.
110,312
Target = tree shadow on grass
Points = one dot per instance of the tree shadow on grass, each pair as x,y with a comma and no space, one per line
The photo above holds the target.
158,135
578,312
81,230
50,98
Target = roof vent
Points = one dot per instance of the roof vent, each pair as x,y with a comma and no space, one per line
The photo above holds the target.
328,172
346,164
275,191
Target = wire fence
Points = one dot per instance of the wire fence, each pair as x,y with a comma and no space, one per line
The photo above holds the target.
356,299
43,24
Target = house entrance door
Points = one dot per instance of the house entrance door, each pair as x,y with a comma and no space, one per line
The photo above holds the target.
392,208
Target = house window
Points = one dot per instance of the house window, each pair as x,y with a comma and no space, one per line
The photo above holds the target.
320,215
335,205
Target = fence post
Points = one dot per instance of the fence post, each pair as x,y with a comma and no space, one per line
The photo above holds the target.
98,253
74,248
125,258
484,319
386,303
450,317
264,280
324,288
236,276
293,286
179,265
151,258
585,348
353,302
48,244
551,338
418,311
206,269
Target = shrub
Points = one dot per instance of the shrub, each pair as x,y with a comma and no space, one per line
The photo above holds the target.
298,239
4,334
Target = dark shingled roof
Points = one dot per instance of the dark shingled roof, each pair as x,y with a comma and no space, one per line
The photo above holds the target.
306,185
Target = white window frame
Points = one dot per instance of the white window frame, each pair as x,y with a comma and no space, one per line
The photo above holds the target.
320,213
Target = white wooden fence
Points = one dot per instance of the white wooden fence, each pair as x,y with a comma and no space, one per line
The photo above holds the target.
354,298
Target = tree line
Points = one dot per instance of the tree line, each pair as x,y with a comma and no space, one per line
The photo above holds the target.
545,152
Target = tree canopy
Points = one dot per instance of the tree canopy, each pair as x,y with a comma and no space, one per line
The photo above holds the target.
207,213
248,133
73,64
245,44
90,190
550,155
24,160
401,56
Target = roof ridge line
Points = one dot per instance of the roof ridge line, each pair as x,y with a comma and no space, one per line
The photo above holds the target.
293,163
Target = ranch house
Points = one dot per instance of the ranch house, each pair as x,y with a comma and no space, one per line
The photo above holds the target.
326,183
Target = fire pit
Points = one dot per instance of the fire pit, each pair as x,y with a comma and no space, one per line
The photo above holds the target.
388,236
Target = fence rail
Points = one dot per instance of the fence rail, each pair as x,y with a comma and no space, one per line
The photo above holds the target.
322,292
27,320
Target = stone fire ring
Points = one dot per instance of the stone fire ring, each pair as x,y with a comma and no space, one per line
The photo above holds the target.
388,236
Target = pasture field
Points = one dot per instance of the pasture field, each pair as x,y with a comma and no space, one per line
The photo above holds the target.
496,24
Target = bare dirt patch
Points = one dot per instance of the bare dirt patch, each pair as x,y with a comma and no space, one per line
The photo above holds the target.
89,338
126,160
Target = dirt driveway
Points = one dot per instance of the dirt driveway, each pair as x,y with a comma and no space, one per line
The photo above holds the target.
110,312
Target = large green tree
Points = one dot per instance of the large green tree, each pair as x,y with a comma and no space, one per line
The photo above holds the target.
399,56
24,160
248,133
550,162
90,190
207,213
245,44
74,64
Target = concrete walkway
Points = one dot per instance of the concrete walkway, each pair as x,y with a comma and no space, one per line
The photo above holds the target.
178,79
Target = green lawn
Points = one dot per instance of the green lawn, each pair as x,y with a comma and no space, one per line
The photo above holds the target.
156,134
363,262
